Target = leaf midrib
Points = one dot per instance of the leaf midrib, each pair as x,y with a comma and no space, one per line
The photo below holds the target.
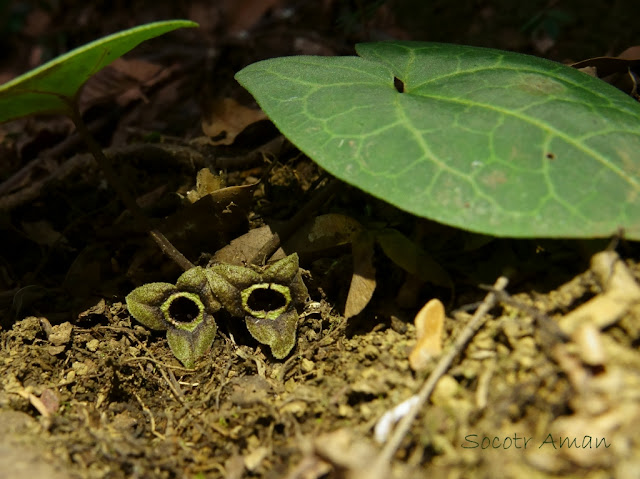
551,195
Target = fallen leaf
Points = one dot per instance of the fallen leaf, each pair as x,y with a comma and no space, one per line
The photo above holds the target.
38,23
240,250
227,119
122,81
42,232
208,223
241,15
412,258
621,71
606,66
318,236
631,53
206,14
363,281
323,234
87,272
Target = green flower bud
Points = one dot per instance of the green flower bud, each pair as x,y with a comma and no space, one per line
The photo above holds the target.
184,310
283,271
267,298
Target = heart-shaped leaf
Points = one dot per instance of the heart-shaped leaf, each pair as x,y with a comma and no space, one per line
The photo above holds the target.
52,87
486,140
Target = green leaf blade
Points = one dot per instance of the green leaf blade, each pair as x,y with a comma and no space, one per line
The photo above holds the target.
489,141
51,87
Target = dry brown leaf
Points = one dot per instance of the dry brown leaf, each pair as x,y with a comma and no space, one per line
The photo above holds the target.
229,118
6,76
207,15
429,324
243,248
210,222
122,80
42,232
621,71
324,233
606,66
38,23
363,281
241,15
318,236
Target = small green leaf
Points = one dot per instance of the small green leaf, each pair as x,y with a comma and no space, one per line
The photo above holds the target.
489,141
52,87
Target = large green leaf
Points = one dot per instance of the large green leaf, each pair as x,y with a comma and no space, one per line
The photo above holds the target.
486,140
51,87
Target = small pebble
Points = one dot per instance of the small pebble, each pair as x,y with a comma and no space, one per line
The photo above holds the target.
307,365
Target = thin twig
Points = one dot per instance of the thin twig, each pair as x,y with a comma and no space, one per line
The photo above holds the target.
173,384
384,459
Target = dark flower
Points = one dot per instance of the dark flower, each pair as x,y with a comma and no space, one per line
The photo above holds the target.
185,310
267,298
